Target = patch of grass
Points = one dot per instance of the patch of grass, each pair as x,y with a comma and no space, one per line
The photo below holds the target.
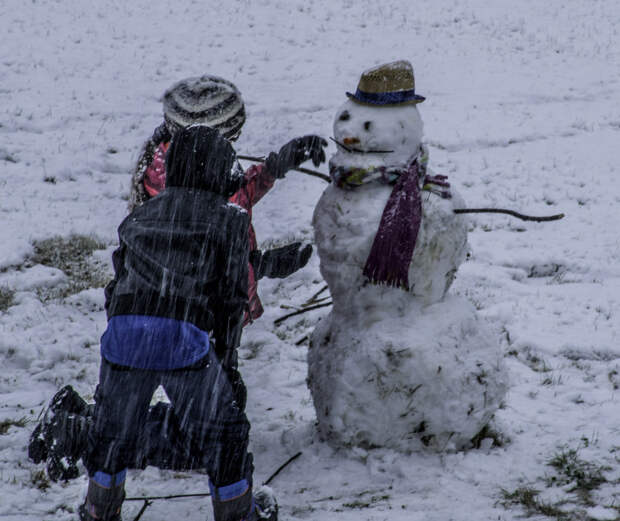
40,480
64,252
281,334
545,270
5,156
5,425
529,357
527,497
66,508
571,469
552,380
366,503
81,375
537,364
302,511
508,339
573,475
7,298
70,255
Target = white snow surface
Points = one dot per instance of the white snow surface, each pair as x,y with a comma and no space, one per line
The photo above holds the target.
522,112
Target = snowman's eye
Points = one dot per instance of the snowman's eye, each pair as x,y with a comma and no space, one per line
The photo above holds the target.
345,116
367,125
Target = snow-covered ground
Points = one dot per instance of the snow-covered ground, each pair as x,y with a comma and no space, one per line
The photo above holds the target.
522,112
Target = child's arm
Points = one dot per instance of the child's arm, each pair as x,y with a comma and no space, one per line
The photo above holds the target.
232,264
261,178
258,182
138,194
279,263
118,262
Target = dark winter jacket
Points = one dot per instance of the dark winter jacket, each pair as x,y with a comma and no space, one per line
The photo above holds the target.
150,178
184,254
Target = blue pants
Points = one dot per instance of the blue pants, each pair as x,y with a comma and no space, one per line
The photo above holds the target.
210,426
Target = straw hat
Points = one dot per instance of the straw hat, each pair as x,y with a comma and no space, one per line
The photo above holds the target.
388,84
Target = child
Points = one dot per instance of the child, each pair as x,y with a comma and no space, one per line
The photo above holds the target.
60,438
175,314
216,102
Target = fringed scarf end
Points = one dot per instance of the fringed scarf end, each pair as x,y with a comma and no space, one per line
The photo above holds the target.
399,284
383,274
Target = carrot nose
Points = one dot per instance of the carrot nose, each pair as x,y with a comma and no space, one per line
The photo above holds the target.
351,141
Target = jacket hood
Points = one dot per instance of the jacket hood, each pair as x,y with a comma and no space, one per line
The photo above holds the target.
199,157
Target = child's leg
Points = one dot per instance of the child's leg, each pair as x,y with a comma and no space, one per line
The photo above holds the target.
211,416
121,405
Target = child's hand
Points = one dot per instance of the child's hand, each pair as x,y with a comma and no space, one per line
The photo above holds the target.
280,262
296,152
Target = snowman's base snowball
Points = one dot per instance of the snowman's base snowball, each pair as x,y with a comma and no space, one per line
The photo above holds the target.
424,377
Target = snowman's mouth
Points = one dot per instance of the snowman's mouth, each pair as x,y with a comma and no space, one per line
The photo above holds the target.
353,150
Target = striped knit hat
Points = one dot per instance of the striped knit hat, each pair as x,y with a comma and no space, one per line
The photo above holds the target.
207,100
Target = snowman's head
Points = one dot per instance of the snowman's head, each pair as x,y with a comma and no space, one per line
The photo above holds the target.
389,135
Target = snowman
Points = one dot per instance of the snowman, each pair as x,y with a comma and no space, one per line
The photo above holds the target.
398,362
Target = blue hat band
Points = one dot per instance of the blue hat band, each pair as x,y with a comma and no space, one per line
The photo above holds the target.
386,98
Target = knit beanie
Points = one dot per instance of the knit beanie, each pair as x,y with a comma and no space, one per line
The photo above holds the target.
206,100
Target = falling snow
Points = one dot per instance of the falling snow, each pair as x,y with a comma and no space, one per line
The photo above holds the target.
522,112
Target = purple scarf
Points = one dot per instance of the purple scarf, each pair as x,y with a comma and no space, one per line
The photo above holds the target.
392,249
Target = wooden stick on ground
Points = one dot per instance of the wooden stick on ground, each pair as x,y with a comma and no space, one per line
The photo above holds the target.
313,298
148,500
299,312
147,503
282,467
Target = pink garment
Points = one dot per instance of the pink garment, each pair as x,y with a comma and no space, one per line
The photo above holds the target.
155,175
258,182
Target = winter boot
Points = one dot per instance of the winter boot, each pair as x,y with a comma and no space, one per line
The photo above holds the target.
61,437
37,446
69,400
265,505
236,503
67,436
66,400
104,503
